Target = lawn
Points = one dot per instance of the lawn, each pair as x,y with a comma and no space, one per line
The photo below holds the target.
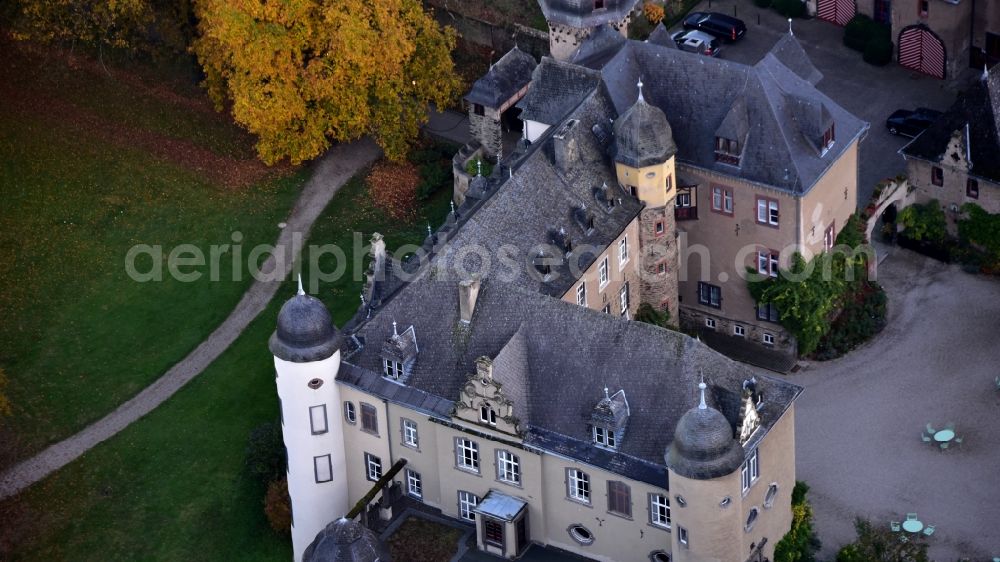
172,485
92,164
420,540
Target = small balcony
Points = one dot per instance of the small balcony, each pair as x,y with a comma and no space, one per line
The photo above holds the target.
686,213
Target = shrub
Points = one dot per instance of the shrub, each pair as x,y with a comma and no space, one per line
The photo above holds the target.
653,12
924,222
265,453
862,316
790,8
393,188
762,3
278,506
800,543
472,167
857,31
981,228
433,176
878,51
646,313
877,542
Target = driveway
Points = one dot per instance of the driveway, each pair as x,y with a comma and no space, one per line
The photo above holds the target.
859,421
872,93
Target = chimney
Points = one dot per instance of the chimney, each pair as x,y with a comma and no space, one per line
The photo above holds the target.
484,368
564,146
468,292
378,255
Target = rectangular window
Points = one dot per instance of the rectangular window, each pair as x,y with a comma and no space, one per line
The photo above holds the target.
606,309
767,211
493,532
767,311
349,413
467,454
478,109
972,188
739,330
623,299
323,468
508,467
619,498
604,437
716,198
369,418
682,536
602,271
767,263
581,294
683,199
669,183
578,485
829,237
937,176
768,338
710,323
727,202
392,369
373,467
467,502
622,253
829,136
922,7
749,471
659,227
659,510
487,415
727,151
710,295
414,486
317,419
410,433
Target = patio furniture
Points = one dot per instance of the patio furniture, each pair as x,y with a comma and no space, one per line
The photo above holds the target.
912,525
944,445
930,429
894,526
944,435
929,530
950,426
911,516
925,438
998,388
957,440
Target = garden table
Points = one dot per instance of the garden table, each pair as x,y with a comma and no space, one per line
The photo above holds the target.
944,435
913,526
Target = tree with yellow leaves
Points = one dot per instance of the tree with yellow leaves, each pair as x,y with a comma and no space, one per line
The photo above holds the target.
300,73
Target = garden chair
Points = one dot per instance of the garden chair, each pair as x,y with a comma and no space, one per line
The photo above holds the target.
911,516
894,526
925,438
944,445
930,429
903,538
929,530
957,440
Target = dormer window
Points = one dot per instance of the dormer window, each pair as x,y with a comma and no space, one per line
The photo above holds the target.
829,138
604,437
727,151
598,4
392,369
487,415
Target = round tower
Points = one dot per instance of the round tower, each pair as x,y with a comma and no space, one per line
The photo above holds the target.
705,496
345,540
645,166
306,349
572,21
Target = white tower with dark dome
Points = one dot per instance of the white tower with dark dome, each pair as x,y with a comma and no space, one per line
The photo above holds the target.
306,349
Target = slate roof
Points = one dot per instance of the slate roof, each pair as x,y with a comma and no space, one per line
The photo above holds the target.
778,151
504,79
979,107
305,331
789,51
541,206
661,36
568,354
346,540
602,44
556,89
581,13
643,136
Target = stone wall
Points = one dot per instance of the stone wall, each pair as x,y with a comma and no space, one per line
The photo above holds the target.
694,319
655,288
462,178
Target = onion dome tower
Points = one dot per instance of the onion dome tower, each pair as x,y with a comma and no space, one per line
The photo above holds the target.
306,349
704,446
346,540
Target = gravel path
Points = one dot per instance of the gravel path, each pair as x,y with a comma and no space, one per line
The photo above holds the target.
858,423
332,171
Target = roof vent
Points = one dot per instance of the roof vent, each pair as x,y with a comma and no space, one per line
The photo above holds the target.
561,239
584,218
468,293
545,264
564,150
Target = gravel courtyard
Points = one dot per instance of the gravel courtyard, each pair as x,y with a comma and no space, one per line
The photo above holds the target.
859,421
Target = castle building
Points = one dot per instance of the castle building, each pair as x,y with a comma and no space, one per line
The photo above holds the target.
709,168
957,159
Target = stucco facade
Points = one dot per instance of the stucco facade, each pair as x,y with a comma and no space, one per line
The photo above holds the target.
621,275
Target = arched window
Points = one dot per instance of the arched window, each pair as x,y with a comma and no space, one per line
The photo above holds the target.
659,556
751,519
772,491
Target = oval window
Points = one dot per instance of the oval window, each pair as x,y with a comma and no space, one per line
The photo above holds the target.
726,501
680,500
650,174
659,556
581,534
772,491
315,383
751,519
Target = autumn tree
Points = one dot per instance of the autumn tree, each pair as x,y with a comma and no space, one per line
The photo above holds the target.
301,73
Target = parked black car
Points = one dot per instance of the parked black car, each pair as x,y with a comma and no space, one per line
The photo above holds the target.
911,123
722,26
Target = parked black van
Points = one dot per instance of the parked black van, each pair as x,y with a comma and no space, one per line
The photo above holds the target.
722,26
